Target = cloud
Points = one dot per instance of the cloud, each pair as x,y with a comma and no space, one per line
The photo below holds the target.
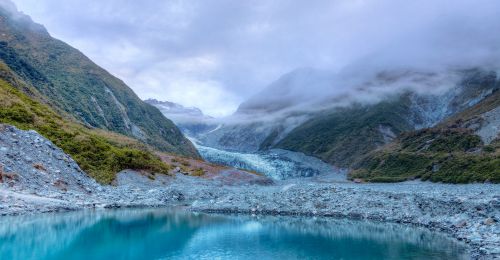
215,54
186,81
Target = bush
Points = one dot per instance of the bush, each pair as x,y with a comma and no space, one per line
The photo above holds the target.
438,155
101,154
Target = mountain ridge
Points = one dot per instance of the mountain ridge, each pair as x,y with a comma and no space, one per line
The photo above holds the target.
344,135
177,112
71,82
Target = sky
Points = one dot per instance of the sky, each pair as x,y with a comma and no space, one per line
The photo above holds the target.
215,54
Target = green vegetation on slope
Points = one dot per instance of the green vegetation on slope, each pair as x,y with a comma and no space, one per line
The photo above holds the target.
348,133
449,152
353,137
100,153
71,82
438,155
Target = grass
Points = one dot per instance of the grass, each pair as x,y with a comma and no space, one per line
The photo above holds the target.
100,153
439,154
198,172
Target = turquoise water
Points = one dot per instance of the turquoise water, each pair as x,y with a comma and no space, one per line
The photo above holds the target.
167,234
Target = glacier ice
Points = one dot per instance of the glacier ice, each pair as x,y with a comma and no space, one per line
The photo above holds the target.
276,163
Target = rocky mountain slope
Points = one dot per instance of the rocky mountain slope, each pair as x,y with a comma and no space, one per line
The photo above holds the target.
351,125
29,159
464,148
100,153
344,135
38,176
67,80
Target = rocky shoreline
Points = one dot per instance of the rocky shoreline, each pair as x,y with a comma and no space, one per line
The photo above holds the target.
464,214
38,177
468,213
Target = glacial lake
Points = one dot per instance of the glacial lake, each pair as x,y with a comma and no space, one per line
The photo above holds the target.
176,234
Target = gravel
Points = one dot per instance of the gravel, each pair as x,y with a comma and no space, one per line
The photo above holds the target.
468,212
38,177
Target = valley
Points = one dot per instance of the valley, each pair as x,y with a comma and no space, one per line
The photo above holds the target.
404,158
276,164
465,212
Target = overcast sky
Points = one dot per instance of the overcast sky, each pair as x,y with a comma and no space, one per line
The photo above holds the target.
214,54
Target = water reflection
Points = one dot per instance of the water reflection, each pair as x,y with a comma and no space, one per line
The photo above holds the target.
175,234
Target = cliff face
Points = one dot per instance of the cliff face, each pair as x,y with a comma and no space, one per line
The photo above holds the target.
70,82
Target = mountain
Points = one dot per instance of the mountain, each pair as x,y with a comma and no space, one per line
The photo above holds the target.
262,120
345,124
177,112
309,99
298,87
99,153
464,148
345,134
172,108
190,120
68,81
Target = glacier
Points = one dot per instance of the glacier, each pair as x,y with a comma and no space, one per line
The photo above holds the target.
277,164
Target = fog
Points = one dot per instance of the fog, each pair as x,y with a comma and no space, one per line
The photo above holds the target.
217,54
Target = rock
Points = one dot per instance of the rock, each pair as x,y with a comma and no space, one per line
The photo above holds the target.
358,180
459,209
489,221
461,224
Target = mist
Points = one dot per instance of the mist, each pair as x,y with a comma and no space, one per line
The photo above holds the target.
217,54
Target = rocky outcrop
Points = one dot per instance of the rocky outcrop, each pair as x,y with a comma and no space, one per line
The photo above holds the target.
490,128
39,165
37,176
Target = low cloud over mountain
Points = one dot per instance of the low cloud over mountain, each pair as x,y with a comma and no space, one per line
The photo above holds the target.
223,52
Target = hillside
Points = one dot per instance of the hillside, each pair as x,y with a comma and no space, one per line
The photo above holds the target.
68,81
99,153
465,148
345,135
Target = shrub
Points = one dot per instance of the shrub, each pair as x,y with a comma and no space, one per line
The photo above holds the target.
101,154
438,155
